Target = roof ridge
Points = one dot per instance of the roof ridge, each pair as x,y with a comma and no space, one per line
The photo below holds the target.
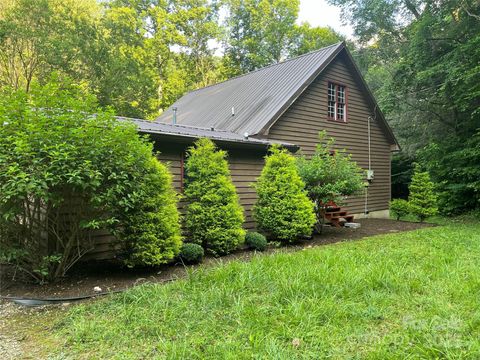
268,66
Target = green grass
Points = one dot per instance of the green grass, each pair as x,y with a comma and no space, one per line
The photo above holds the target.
406,295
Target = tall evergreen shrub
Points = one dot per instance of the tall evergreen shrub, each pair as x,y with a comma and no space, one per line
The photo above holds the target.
214,216
422,199
283,209
151,231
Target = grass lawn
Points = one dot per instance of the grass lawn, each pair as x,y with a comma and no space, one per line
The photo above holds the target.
405,295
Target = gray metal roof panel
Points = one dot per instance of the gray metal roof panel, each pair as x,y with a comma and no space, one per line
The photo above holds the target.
153,127
258,98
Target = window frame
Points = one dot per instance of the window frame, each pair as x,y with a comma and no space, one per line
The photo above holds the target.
335,118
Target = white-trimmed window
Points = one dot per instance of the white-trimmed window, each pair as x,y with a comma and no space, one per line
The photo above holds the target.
337,102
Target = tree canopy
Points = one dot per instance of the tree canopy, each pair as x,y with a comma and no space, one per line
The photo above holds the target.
138,57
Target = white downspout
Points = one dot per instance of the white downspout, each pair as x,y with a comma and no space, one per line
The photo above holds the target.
369,163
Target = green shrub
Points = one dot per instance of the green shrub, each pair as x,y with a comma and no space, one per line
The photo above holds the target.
214,216
422,200
64,173
329,175
192,253
282,210
399,208
256,241
151,231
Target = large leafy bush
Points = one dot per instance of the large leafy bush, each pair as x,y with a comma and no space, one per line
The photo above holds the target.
283,209
329,175
65,172
214,216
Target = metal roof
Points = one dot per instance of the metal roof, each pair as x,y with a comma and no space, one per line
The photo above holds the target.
191,132
251,103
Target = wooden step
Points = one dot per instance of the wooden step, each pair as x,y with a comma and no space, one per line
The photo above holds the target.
337,213
336,216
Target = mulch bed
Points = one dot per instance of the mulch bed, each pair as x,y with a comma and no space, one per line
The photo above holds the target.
112,277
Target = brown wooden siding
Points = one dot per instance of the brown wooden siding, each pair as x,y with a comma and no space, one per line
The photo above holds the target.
301,123
244,168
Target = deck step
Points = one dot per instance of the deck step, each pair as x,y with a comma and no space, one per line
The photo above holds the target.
336,216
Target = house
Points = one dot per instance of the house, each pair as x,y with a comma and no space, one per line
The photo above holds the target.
286,103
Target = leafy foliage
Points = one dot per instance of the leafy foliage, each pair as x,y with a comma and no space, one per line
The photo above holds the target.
399,208
214,215
192,253
329,175
64,173
283,209
255,241
455,167
422,199
135,56
262,32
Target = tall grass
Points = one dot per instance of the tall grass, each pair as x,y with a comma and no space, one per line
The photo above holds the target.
406,295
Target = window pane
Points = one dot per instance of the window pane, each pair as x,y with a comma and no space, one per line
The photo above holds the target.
331,109
340,112
331,92
341,94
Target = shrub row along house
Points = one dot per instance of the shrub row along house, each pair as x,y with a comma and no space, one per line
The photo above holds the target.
287,103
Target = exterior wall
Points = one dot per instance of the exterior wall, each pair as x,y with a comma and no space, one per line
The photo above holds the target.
245,167
301,123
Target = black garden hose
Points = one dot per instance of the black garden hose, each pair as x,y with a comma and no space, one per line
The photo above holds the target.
31,302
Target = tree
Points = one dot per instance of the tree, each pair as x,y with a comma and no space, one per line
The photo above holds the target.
422,200
455,168
151,229
214,215
282,210
136,56
65,172
41,36
157,50
329,175
259,32
307,38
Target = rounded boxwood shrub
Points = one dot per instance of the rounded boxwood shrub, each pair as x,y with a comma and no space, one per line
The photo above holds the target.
191,253
214,216
256,241
283,209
